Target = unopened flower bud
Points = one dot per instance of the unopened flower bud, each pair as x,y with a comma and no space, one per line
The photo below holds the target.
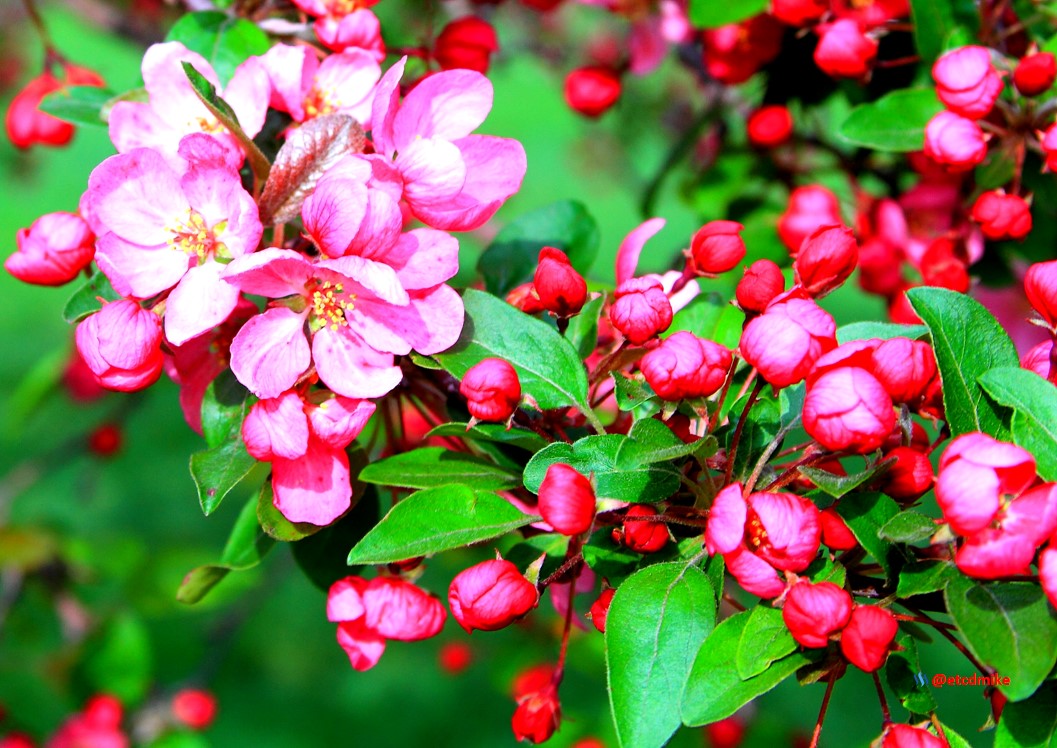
809,209
1002,216
905,736
716,247
1040,286
685,366
643,536
954,141
537,716
53,250
770,126
904,367
785,341
1035,74
567,500
121,343
825,260
524,297
641,310
762,282
966,82
726,733
492,390
1048,141
195,708
466,43
844,51
600,609
835,532
975,472
591,91
27,125
561,289
868,637
814,612
848,409
490,595
910,475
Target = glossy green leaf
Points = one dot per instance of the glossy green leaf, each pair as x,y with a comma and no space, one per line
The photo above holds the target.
764,639
650,441
895,122
630,393
903,674
1009,626
1034,420
599,455
908,527
218,470
582,332
923,577
435,520
224,406
711,318
428,467
714,689
933,24
708,14
511,258
880,330
609,560
822,569
550,370
1031,723
246,547
968,342
86,299
656,623
838,485
80,105
492,432
865,514
224,41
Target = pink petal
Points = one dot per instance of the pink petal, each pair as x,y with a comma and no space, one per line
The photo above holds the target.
200,302
433,172
290,70
755,575
315,487
247,92
333,213
136,271
447,105
348,366
345,599
135,124
378,279
385,107
363,646
631,247
726,521
338,420
350,78
422,258
276,428
137,196
272,272
270,352
171,95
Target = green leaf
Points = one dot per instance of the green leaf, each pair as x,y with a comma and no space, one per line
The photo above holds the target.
492,432
657,621
865,514
902,671
764,639
761,427
511,258
1031,723
628,481
880,330
712,318
1009,626
1034,420
550,370
895,122
933,23
608,560
714,690
224,406
435,520
838,485
118,659
908,527
218,470
220,109
429,467
80,105
275,524
650,441
582,332
954,740
968,342
245,548
822,569
709,14
923,577
631,393
85,300
225,42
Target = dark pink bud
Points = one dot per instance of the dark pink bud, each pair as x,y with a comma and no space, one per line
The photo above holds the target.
762,282
905,368
944,264
455,657
53,250
644,536
954,141
910,475
1035,73
770,126
716,247
641,310
814,612
784,342
1039,360
566,500
848,409
727,733
734,52
195,708
121,343
105,440
966,82
492,390
537,716
799,12
868,637
685,366
104,711
844,51
276,428
524,298
591,91
826,259
490,596
1048,140
600,609
905,736
467,43
853,353
1040,286
27,125
560,288
1048,574
992,554
1002,216
399,610
835,532
809,209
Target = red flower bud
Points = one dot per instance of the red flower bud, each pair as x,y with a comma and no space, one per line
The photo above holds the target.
524,297
910,475
641,310
560,288
809,209
770,126
944,265
716,247
492,390
685,366
1040,286
727,733
966,82
1038,359
531,679
121,343
537,715
799,12
734,52
1002,216
467,43
105,440
905,736
814,612
868,637
490,596
1035,73
53,250
825,260
592,90
785,341
566,500
1049,146
954,141
835,532
762,281
644,536
844,51
600,609
847,408
455,657
195,708
27,125
17,740
104,711
905,368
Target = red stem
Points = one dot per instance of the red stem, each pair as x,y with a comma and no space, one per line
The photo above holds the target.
822,712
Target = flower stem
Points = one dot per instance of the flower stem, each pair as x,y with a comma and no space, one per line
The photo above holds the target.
734,440
822,713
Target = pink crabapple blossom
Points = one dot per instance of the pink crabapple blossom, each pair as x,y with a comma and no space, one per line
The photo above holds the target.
686,366
121,344
784,342
53,250
867,638
966,81
304,87
567,500
490,596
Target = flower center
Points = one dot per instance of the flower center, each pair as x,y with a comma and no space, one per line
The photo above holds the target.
342,7
329,304
194,237
755,532
319,102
